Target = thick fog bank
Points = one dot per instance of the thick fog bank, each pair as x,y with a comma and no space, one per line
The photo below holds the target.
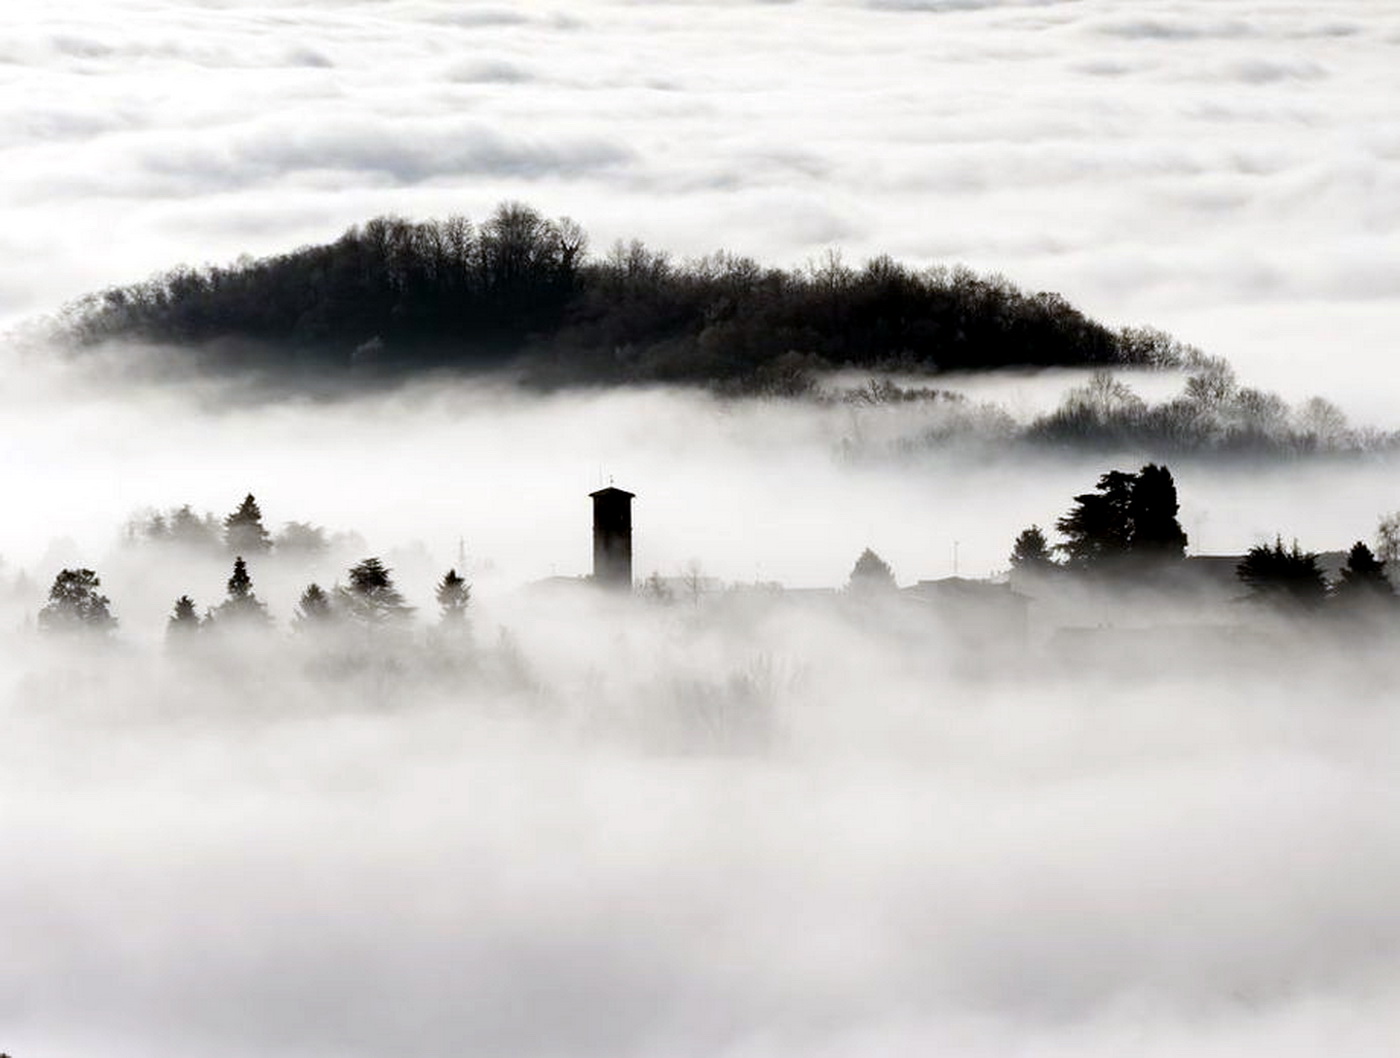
751,827
737,822
449,470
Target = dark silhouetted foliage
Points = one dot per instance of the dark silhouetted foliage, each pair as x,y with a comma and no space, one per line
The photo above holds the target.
75,605
184,620
242,606
1363,580
1129,522
314,610
394,296
244,533
1099,528
1287,577
371,596
1152,509
453,596
1031,553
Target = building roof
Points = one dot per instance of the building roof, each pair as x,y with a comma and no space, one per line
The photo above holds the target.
610,491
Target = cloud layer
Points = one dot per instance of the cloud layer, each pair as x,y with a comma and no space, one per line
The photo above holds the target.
1196,168
251,857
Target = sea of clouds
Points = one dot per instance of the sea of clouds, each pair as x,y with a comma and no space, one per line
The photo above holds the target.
1226,169
578,841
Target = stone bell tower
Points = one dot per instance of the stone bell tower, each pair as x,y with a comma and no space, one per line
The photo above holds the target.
612,538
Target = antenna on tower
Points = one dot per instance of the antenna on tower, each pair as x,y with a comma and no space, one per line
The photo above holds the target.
955,558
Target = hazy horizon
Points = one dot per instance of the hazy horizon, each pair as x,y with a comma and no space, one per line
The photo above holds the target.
755,825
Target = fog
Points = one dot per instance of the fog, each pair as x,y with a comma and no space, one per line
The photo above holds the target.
1224,169
738,821
744,822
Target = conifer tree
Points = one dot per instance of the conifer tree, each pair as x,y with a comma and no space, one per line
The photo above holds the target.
453,596
371,596
244,533
1153,507
75,605
1283,576
1099,528
192,531
871,575
1363,578
314,610
1130,520
184,621
242,605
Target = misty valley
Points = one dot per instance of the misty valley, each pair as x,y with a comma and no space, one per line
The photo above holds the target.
896,708
604,529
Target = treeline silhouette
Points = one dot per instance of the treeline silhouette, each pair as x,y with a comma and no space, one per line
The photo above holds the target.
519,290
1212,415
1126,533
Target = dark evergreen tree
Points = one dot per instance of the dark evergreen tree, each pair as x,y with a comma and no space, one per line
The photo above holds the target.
1157,535
244,533
75,604
242,605
314,610
1031,553
871,575
184,620
1286,577
1128,524
371,596
1099,528
1363,578
453,596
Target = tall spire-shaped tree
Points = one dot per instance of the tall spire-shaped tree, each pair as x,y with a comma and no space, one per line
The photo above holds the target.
453,596
242,605
244,533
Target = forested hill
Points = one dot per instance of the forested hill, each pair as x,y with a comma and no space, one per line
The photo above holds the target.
520,290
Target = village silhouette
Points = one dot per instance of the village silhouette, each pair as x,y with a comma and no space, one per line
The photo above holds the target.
1120,579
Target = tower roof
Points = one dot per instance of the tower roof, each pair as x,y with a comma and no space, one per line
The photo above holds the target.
610,491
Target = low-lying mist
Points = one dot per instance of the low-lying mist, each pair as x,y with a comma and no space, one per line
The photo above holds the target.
732,822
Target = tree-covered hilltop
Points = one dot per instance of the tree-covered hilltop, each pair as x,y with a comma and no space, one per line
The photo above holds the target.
520,290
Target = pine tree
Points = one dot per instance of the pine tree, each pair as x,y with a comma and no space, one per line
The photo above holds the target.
1363,578
314,610
75,605
244,533
184,621
871,575
1283,576
371,597
1130,520
453,596
242,605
